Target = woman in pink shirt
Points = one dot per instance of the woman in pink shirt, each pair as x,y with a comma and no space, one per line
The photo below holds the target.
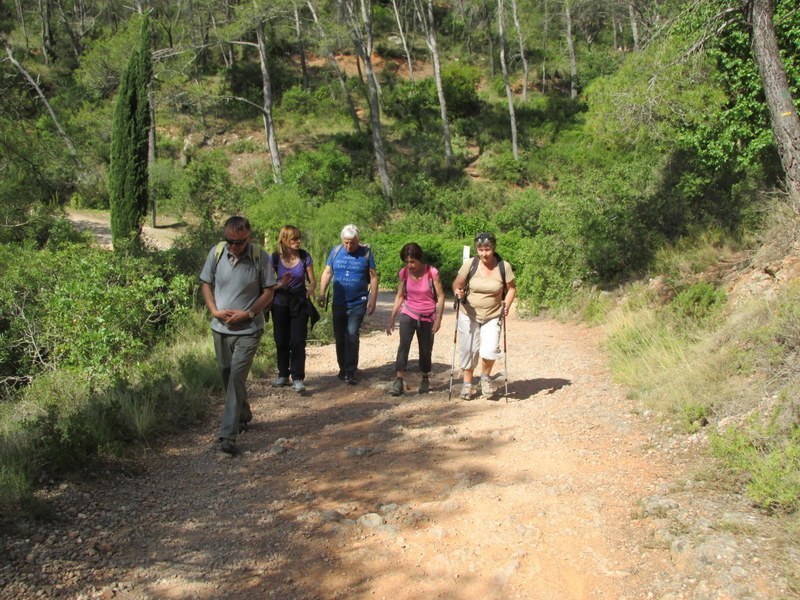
420,304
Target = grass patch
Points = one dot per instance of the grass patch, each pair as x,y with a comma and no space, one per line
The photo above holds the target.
62,421
696,363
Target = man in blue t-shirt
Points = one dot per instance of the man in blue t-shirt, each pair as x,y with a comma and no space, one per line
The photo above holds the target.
355,293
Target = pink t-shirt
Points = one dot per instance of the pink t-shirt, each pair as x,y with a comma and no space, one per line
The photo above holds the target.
420,302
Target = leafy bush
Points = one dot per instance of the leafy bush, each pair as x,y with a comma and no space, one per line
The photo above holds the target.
698,302
319,173
80,307
460,82
770,459
205,189
415,102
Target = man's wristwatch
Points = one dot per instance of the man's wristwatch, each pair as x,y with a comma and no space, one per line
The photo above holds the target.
251,314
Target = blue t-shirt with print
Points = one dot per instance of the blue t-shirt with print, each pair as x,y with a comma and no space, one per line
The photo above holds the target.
350,275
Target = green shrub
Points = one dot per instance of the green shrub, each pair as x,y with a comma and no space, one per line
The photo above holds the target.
84,308
205,189
415,102
768,457
319,173
698,302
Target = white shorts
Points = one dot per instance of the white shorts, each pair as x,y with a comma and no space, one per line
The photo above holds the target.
478,340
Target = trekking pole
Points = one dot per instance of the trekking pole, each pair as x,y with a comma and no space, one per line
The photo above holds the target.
505,351
453,362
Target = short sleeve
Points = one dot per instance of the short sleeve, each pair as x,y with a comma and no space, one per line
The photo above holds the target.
267,271
207,274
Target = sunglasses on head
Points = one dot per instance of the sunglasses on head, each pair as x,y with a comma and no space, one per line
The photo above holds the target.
484,238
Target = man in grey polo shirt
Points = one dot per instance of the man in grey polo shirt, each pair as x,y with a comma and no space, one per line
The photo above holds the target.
237,286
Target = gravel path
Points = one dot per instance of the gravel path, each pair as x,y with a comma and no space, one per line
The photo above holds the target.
569,490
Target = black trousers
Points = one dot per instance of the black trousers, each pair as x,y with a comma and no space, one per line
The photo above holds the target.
290,333
408,326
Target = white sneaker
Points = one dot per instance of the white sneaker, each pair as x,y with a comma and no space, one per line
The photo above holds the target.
298,386
487,387
466,391
280,382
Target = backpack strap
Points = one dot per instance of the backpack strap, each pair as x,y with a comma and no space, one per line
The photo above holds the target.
302,254
473,268
404,279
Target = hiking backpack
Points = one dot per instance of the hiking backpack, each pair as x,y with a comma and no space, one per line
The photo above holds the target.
473,268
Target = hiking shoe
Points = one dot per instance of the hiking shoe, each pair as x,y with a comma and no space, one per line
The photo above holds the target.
466,392
424,385
298,386
350,378
341,375
397,388
280,382
228,446
245,415
487,387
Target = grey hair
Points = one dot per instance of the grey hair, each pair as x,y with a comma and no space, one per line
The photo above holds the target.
350,232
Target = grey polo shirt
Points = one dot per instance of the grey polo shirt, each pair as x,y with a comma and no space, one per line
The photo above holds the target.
238,286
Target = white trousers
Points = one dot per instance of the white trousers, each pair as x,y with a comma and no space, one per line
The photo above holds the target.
478,340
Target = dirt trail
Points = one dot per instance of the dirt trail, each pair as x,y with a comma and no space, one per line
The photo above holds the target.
566,491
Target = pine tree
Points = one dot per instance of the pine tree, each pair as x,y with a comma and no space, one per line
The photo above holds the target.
128,177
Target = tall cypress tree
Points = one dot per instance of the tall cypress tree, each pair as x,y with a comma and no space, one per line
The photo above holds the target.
128,177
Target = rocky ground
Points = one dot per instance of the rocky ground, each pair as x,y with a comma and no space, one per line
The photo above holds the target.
567,490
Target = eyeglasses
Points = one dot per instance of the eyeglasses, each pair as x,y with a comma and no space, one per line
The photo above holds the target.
484,238
237,242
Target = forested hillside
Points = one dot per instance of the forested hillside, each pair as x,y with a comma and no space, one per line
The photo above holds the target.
603,141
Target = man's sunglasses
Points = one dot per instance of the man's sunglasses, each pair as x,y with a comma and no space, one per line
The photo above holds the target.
237,242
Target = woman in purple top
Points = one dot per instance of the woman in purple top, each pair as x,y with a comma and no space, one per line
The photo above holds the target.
420,304
294,268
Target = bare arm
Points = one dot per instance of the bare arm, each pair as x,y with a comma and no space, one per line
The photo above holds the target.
511,294
312,281
459,283
398,302
373,291
325,279
437,285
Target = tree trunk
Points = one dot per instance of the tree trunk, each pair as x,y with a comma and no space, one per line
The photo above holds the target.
301,50
74,37
361,28
47,33
425,14
335,66
573,69
634,24
21,15
545,40
488,15
782,112
402,34
43,98
614,25
522,53
266,89
504,67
